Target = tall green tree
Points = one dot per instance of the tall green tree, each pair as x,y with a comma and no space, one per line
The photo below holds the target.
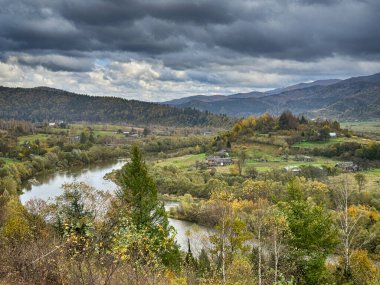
139,195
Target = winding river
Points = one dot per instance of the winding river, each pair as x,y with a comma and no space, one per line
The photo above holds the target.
47,186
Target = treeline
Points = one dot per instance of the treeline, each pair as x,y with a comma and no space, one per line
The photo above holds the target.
16,127
365,154
46,104
164,145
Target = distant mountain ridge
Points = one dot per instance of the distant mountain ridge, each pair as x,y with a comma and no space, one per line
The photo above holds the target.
49,104
253,94
326,82
353,98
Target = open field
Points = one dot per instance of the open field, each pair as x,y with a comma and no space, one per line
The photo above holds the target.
100,130
323,144
375,171
368,128
182,161
270,162
32,138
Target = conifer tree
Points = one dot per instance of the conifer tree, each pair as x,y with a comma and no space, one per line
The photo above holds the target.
139,192
147,213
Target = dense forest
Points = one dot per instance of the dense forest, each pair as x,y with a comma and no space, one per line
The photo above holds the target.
46,104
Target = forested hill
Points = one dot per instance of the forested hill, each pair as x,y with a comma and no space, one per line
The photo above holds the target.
47,104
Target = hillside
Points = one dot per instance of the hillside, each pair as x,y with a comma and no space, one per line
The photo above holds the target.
41,104
326,82
353,98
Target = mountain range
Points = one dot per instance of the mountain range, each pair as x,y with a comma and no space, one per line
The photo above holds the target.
353,98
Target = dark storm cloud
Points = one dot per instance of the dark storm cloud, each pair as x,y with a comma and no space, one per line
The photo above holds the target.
55,62
179,31
101,12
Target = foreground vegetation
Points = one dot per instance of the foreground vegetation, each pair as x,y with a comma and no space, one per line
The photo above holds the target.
284,212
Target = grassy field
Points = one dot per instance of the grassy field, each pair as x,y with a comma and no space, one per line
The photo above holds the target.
259,151
108,133
280,163
32,138
182,161
370,128
323,144
374,171
75,129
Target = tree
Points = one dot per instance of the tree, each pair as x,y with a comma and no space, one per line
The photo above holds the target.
83,138
251,171
91,137
240,271
146,132
312,235
287,121
242,157
364,272
79,218
204,265
139,195
352,219
231,233
277,230
360,180
324,133
139,192
257,224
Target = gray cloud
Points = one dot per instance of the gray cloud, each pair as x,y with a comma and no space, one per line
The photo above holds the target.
215,44
281,29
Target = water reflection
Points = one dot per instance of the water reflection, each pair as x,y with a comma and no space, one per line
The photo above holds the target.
49,185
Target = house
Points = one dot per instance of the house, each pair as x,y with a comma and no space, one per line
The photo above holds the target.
332,135
52,124
218,161
347,166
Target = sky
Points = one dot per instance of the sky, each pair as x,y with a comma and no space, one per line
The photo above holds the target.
165,49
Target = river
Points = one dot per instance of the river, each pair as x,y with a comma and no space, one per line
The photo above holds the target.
47,186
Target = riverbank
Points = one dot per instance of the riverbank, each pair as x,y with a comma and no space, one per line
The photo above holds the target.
48,187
